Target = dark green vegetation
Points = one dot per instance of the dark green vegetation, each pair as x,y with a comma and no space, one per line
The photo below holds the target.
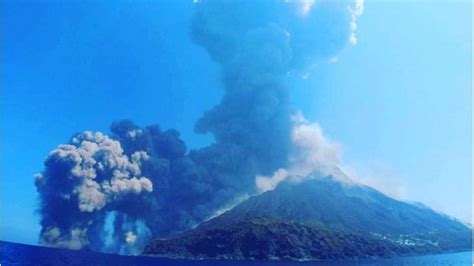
320,219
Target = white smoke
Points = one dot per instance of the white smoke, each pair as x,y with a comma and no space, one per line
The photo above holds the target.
229,206
130,237
312,152
265,183
303,6
357,10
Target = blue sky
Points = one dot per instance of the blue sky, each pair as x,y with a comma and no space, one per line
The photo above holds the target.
399,101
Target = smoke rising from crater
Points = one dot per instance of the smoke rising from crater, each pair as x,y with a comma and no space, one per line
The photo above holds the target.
113,193
312,152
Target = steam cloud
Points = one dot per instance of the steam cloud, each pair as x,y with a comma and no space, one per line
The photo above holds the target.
312,152
113,193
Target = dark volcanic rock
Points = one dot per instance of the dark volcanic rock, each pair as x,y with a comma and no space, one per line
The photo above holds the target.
320,219
271,240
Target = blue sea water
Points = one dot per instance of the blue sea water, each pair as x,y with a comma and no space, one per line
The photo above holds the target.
18,254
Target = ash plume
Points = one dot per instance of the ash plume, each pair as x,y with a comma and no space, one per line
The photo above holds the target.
81,180
113,193
312,153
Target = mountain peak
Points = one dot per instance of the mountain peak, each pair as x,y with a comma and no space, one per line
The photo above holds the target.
342,215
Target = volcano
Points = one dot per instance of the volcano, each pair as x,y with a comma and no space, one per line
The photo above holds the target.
318,219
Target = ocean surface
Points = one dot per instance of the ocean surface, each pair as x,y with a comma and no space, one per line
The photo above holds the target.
18,254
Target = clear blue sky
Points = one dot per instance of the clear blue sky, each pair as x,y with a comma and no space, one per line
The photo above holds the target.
399,101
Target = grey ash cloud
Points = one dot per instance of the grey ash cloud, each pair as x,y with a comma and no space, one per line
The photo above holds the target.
81,180
113,193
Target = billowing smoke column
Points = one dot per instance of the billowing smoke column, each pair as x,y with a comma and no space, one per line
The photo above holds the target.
81,182
114,193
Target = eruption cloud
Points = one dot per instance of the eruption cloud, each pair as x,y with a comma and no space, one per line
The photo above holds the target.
113,193
312,153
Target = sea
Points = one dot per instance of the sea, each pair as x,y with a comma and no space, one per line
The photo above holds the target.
19,254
